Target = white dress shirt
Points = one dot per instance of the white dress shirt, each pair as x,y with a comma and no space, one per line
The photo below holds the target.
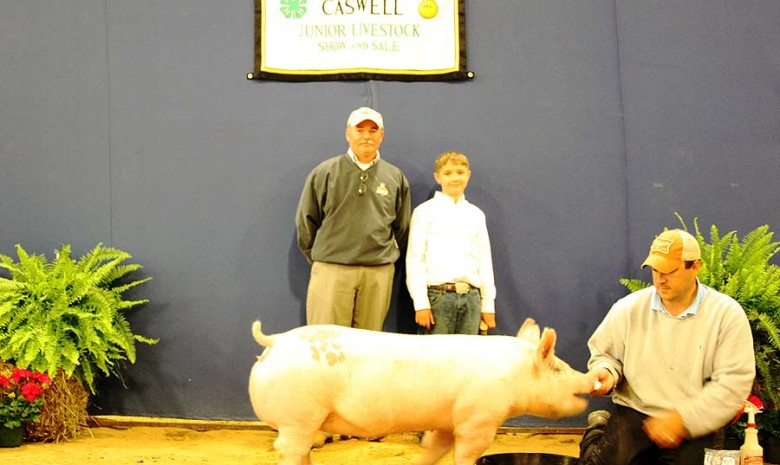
448,243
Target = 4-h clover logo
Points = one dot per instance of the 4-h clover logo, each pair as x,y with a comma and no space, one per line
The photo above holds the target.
293,8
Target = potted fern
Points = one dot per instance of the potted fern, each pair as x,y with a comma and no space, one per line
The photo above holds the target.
65,318
742,269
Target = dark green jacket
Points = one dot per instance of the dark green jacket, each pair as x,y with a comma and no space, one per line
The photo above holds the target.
336,223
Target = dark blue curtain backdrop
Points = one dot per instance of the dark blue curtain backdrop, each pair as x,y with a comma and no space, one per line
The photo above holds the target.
589,123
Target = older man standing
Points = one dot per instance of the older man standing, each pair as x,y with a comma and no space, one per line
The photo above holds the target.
677,358
352,218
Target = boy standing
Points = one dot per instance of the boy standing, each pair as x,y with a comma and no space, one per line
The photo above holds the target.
448,262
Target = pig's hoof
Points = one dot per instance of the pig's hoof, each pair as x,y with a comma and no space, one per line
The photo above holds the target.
320,439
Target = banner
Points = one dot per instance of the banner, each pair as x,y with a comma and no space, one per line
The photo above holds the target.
402,40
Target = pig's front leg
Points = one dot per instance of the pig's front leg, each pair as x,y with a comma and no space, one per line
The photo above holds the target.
436,444
467,452
468,448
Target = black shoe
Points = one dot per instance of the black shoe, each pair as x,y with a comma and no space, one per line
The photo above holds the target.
598,418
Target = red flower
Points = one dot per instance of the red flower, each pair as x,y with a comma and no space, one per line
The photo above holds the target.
20,375
31,391
41,378
4,382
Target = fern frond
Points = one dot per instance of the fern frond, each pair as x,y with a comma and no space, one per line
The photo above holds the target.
770,326
121,289
713,272
120,271
685,226
634,285
767,376
125,304
8,285
758,247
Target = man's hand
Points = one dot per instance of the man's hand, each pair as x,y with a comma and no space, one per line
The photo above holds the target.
666,429
424,318
489,319
606,382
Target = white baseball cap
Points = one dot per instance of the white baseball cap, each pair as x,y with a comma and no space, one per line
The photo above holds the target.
363,114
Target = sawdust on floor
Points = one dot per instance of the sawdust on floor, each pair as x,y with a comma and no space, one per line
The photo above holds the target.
119,441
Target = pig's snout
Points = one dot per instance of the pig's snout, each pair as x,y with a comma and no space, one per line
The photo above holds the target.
566,398
583,395
590,384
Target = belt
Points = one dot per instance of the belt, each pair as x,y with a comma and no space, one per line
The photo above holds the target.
460,288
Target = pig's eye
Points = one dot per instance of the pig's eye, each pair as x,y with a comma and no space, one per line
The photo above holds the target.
556,367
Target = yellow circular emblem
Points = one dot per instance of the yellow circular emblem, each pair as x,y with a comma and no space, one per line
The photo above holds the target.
428,9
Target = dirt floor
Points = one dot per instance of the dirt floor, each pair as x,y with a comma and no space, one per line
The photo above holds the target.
137,440
116,441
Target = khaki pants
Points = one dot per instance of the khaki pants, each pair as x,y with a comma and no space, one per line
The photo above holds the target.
349,295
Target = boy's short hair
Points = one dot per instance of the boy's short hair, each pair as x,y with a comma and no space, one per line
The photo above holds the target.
446,157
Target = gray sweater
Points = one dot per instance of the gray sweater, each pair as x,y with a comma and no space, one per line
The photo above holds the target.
345,220
702,366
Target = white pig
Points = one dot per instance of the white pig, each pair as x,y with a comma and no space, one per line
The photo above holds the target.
369,384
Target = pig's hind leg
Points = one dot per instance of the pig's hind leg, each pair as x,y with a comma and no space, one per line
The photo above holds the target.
436,443
294,446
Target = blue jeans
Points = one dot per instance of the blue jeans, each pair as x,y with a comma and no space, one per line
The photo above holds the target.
454,313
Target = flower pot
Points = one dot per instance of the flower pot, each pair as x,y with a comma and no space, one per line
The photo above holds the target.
732,444
11,437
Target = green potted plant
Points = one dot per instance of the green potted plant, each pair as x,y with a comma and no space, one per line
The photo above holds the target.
65,318
742,269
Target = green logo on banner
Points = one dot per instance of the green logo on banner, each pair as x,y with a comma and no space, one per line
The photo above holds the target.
293,8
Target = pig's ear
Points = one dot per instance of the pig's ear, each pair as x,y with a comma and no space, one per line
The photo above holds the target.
529,331
545,351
